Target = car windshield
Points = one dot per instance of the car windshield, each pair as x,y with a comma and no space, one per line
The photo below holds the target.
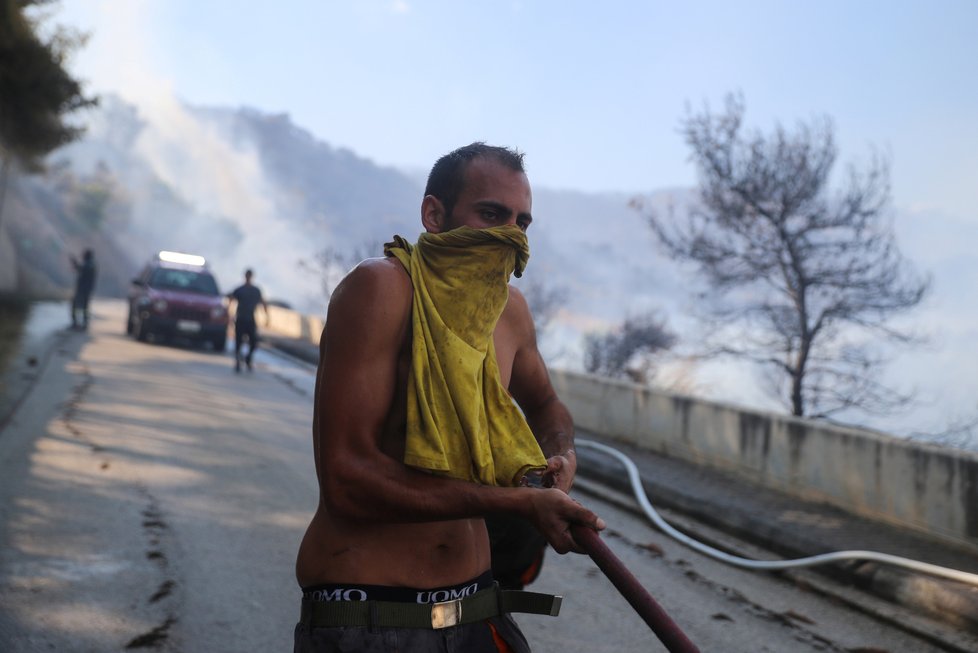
187,280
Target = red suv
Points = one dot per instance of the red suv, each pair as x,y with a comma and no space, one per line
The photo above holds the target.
177,296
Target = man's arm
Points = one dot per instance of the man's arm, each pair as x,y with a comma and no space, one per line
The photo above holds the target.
547,416
367,322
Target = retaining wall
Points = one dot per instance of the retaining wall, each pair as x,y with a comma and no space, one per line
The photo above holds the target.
913,484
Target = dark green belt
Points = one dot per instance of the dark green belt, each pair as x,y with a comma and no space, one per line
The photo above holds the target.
480,606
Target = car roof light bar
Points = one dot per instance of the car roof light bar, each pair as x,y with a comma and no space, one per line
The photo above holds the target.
177,257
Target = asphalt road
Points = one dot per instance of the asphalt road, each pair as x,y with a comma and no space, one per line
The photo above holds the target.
152,499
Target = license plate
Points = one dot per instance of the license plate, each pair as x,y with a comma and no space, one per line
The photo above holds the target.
188,326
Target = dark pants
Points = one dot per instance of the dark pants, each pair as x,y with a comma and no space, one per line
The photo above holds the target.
468,638
79,308
517,549
245,330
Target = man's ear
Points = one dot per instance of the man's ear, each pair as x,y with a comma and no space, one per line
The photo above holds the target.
432,214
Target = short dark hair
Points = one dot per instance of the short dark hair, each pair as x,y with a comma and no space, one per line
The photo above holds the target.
448,174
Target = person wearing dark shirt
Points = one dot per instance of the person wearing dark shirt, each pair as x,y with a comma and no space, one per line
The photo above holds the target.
248,296
84,285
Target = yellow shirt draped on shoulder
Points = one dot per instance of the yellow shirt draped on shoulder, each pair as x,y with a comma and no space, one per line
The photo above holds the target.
461,421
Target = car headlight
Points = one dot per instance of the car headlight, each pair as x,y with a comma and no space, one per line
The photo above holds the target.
159,305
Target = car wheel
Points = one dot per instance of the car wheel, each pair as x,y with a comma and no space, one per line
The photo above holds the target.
129,323
219,344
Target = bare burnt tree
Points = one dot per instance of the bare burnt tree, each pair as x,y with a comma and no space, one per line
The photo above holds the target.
803,279
627,352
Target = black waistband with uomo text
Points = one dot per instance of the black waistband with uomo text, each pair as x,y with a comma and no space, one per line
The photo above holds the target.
356,592
464,609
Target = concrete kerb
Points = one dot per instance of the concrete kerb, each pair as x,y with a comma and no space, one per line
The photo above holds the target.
44,332
299,352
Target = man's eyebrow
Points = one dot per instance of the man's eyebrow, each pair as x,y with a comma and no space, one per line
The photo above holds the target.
493,204
503,209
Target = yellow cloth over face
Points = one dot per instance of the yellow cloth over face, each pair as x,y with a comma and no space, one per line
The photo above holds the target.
461,421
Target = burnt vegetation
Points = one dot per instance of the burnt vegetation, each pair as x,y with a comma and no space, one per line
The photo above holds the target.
628,351
801,279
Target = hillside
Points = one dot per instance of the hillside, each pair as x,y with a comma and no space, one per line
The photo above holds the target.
249,189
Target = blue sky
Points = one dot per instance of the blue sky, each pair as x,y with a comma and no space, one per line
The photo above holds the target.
592,91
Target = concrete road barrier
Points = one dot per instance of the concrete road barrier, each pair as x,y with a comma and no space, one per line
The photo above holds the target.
912,484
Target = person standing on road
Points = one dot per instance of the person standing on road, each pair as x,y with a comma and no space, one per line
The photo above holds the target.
85,272
248,296
432,408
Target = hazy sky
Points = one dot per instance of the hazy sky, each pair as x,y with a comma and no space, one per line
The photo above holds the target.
592,91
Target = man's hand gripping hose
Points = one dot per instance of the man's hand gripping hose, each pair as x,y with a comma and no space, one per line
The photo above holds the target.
588,541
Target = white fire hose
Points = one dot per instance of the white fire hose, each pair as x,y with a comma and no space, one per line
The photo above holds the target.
768,565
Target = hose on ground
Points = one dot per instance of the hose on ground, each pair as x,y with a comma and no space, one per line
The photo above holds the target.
638,490
671,636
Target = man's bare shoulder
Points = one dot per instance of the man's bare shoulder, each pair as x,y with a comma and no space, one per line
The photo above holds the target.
517,311
376,286
377,274
517,298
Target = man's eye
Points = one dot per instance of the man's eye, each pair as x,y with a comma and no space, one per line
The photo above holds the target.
489,215
523,224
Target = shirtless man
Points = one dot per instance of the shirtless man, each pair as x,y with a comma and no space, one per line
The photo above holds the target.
387,531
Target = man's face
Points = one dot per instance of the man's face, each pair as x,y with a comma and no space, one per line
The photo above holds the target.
493,196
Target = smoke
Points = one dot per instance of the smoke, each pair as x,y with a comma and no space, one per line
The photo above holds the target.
231,214
222,181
